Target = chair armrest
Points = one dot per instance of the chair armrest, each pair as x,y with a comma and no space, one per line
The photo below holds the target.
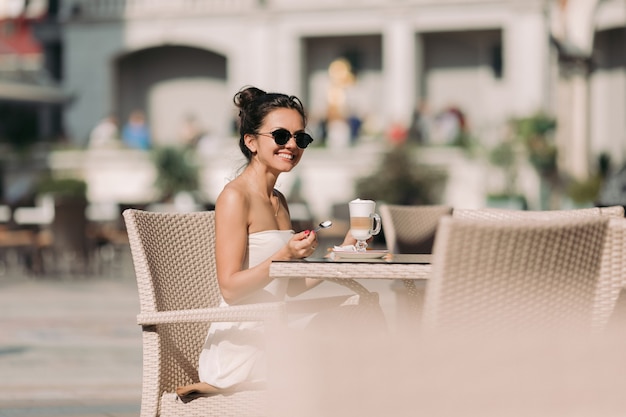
251,312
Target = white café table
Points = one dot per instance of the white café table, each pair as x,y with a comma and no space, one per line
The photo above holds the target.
345,271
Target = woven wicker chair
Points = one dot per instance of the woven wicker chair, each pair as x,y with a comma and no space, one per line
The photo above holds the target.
411,229
612,275
613,211
174,261
499,276
498,213
613,268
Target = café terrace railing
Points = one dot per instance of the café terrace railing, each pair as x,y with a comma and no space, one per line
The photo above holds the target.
131,9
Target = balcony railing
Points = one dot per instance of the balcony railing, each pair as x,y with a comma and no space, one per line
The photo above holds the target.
140,9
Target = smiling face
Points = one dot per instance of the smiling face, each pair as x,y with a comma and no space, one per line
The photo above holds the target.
281,158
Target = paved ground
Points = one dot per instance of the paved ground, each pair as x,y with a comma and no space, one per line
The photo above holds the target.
69,346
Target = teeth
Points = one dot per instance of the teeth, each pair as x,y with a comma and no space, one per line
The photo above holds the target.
285,156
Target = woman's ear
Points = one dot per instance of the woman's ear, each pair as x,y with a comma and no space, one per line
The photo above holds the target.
250,141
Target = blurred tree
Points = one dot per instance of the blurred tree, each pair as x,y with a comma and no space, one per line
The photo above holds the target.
587,192
504,157
62,187
536,132
176,171
400,179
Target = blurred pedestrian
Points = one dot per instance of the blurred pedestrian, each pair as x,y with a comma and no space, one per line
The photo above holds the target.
190,132
136,134
418,129
397,133
106,134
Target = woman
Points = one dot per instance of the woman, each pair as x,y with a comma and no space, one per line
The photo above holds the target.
253,228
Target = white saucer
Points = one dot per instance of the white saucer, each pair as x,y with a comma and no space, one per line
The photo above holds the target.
368,254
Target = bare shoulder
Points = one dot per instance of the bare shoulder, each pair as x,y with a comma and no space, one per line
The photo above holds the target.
234,193
233,204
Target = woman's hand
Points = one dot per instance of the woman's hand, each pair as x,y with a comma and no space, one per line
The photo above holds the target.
303,244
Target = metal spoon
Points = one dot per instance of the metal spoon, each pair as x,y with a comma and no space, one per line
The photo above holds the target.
323,225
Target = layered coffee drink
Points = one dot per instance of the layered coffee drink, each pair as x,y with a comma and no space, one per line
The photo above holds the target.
360,227
364,221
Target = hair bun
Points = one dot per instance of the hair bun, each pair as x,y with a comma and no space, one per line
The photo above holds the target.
247,95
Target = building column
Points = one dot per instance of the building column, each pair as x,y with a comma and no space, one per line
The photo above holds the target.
573,28
580,155
526,61
265,60
418,72
399,71
252,53
573,119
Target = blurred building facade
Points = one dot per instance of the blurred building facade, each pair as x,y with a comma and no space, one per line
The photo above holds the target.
372,62
30,94
492,59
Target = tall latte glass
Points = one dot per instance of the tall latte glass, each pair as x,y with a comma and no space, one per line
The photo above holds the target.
364,222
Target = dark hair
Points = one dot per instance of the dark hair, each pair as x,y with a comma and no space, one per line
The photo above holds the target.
254,104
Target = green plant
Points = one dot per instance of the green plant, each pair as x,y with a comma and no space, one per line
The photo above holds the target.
504,157
175,171
536,133
399,179
62,187
585,191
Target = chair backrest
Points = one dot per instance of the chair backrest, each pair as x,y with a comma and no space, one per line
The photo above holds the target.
614,211
174,257
499,276
491,213
612,273
411,229
174,260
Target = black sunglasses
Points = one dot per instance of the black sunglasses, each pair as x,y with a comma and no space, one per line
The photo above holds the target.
281,137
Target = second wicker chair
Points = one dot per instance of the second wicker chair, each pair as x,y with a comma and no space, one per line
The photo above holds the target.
512,276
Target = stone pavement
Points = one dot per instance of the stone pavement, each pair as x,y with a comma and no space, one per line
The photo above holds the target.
70,347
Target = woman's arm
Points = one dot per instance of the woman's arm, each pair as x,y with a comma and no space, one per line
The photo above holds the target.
231,217
298,286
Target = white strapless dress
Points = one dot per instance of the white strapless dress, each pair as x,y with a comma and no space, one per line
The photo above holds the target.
233,352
